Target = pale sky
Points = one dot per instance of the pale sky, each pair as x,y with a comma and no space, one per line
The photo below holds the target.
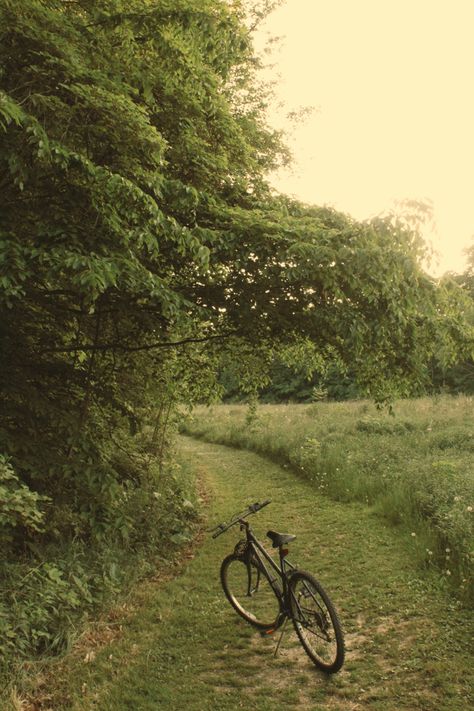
392,83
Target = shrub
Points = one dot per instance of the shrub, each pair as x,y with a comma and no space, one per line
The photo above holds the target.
19,506
456,438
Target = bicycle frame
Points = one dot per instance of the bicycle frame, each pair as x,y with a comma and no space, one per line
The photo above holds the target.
283,596
261,555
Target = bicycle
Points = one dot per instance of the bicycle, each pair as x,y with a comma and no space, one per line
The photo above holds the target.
266,594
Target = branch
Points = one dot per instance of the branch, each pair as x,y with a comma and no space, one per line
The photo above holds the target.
129,349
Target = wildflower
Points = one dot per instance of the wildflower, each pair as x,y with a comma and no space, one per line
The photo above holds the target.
448,550
413,535
457,498
429,552
469,508
448,572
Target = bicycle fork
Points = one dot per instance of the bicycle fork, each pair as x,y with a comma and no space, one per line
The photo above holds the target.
251,590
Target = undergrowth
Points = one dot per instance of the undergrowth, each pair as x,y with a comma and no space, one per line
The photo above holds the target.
50,589
413,466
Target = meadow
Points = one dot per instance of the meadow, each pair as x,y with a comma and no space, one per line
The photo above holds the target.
413,465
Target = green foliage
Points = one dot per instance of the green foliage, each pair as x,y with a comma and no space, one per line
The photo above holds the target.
141,249
41,603
459,376
380,425
288,381
19,506
414,466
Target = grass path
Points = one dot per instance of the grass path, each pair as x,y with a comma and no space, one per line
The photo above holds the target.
408,644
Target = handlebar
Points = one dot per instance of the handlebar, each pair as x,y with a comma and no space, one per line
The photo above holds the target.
252,509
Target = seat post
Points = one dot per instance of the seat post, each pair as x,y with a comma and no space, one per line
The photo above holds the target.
282,552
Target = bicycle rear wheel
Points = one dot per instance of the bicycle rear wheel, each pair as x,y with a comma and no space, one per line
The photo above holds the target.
316,622
249,592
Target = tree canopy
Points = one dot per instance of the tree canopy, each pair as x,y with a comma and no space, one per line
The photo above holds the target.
140,242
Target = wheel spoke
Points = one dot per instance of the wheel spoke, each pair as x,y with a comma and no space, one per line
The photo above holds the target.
250,593
316,622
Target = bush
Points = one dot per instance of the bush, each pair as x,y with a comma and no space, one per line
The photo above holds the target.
19,506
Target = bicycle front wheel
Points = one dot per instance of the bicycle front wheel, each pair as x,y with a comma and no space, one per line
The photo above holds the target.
249,592
316,622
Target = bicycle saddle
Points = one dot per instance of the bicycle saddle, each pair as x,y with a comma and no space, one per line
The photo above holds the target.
279,539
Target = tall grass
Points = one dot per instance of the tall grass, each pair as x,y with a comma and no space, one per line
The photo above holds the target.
415,466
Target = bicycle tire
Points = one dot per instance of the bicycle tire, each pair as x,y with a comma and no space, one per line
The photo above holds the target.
262,608
316,622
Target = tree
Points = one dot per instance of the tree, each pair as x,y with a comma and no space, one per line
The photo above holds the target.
138,230
458,376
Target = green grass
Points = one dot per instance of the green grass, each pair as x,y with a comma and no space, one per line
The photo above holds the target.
179,645
414,467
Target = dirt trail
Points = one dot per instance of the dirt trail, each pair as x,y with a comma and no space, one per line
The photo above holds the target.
408,644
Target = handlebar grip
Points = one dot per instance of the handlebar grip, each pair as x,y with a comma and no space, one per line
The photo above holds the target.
257,506
220,529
